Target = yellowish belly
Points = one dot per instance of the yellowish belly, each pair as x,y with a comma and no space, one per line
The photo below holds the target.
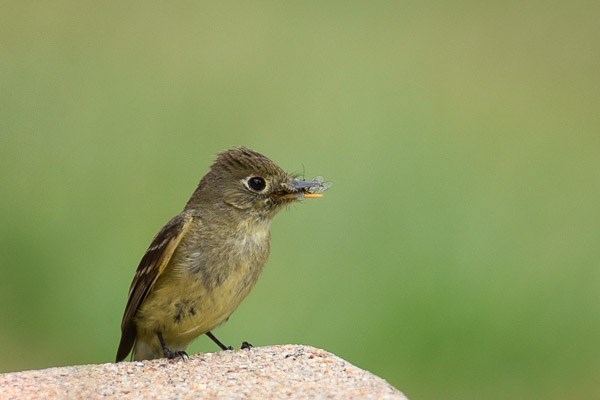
182,308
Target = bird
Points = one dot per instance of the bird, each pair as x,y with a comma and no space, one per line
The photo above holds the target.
205,260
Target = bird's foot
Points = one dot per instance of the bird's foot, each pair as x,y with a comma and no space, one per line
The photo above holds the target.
246,345
174,354
167,352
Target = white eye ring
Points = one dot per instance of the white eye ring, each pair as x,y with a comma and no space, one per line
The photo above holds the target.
256,184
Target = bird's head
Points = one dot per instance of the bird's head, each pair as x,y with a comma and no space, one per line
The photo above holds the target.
251,183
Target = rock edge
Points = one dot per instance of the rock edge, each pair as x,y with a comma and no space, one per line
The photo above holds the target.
273,372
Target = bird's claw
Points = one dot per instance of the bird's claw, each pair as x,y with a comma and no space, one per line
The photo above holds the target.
246,345
174,354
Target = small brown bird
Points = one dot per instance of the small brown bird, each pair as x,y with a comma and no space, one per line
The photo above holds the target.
204,262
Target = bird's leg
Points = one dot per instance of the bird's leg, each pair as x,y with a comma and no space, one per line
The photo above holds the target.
217,341
167,352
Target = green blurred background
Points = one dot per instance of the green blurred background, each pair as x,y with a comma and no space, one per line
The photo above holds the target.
457,253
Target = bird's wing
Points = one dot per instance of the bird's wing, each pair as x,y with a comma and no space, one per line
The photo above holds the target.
153,263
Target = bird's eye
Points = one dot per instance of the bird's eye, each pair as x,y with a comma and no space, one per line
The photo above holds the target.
257,183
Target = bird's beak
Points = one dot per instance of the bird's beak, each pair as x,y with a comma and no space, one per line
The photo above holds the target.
307,189
301,189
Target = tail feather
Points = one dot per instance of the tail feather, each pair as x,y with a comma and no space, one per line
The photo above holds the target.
127,342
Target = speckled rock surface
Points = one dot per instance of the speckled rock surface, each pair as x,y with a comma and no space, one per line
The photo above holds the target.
275,372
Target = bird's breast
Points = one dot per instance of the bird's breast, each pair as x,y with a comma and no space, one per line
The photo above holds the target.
215,284
211,272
